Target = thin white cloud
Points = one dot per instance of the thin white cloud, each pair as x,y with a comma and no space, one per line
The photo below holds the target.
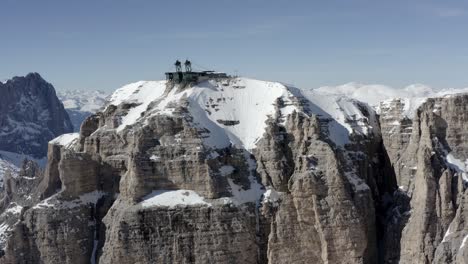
450,12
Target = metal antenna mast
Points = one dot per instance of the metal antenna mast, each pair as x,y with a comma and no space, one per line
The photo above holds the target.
188,66
178,66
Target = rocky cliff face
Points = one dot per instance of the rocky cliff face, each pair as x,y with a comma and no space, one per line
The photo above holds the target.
30,115
243,171
429,156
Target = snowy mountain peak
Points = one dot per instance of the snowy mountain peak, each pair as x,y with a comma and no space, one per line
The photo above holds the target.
235,110
411,96
80,104
83,100
30,115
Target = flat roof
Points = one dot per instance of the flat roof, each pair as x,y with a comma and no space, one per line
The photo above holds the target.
213,72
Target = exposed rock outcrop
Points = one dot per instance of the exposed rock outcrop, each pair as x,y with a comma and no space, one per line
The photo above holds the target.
30,115
432,189
243,171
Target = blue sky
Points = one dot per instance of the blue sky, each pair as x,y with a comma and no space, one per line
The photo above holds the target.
104,44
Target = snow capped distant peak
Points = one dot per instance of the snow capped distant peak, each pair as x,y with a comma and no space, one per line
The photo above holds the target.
80,104
373,94
81,100
411,96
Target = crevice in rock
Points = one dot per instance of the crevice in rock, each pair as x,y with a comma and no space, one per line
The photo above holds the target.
390,207
100,210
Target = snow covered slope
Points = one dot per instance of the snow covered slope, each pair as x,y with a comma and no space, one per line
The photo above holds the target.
140,93
80,104
411,96
234,111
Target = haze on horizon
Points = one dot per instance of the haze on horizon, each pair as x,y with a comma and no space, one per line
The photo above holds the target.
106,44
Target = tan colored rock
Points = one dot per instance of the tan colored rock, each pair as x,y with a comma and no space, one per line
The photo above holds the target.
321,203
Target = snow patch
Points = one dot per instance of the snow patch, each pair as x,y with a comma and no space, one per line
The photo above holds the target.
447,234
458,165
4,230
251,195
463,243
172,198
241,196
358,183
155,158
16,209
65,140
271,196
87,198
212,155
91,197
226,170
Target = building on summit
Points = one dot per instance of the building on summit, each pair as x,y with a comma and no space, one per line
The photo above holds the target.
188,75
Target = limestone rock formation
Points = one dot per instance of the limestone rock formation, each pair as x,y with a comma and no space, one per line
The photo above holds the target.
235,170
429,160
30,115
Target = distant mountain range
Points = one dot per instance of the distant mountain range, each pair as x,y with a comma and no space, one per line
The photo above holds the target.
80,104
